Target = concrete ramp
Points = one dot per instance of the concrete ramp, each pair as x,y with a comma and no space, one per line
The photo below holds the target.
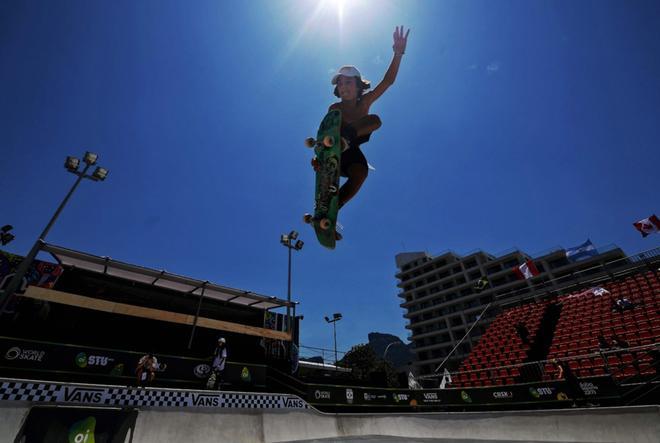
597,425
631,424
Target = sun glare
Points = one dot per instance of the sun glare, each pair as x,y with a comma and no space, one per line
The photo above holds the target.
331,22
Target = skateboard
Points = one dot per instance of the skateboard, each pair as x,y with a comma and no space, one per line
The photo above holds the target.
327,147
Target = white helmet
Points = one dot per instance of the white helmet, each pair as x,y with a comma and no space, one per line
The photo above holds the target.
222,340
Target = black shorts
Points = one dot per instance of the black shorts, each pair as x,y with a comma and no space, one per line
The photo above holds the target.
349,157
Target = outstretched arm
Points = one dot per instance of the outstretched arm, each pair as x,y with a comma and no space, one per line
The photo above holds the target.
399,47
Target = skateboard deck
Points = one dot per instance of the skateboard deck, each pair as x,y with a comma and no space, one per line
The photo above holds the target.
327,148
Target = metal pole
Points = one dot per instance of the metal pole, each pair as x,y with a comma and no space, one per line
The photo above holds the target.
199,307
16,281
288,293
334,327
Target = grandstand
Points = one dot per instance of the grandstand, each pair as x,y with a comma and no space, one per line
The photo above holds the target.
565,326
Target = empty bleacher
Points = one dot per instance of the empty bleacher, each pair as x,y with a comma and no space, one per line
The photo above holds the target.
500,355
501,346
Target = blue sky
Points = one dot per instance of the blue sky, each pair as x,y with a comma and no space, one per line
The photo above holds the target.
511,124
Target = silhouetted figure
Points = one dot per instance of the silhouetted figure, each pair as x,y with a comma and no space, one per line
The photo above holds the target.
619,342
574,389
603,345
523,332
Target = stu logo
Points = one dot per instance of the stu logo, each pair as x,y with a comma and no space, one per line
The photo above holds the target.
83,395
206,400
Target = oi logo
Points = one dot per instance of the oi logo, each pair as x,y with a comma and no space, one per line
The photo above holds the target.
82,431
81,360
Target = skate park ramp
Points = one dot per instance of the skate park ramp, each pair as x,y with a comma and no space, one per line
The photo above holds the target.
637,424
623,424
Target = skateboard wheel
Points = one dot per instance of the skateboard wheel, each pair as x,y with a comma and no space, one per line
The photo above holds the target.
310,142
328,141
324,223
308,218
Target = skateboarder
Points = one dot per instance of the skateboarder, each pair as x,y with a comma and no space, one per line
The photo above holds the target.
357,123
218,366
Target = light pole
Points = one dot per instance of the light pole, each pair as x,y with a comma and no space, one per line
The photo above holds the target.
287,241
335,318
71,165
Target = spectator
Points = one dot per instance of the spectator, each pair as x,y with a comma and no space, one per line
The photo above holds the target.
218,366
146,369
602,343
572,384
523,332
619,342
622,304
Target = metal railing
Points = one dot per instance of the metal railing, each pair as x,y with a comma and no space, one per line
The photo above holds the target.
536,370
327,355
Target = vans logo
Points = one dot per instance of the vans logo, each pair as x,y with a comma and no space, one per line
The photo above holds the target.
83,395
293,402
212,400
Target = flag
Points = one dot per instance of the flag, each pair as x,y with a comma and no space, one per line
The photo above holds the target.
412,383
526,270
600,291
586,249
481,284
597,291
446,378
648,225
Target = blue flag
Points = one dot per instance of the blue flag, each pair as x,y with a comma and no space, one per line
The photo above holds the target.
585,250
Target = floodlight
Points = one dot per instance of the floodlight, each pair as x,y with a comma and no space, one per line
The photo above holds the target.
299,245
100,173
293,235
6,228
6,238
337,315
284,239
327,319
72,164
90,158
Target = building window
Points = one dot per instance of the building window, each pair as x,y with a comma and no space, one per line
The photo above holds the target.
455,321
493,269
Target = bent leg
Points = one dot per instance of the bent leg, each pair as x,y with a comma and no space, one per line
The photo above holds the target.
357,174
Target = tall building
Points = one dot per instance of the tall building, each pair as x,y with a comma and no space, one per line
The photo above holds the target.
442,302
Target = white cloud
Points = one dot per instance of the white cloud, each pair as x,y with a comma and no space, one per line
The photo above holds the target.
493,66
378,60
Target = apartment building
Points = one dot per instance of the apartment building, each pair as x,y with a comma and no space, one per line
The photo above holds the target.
441,302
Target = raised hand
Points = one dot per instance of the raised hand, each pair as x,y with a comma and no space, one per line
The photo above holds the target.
400,41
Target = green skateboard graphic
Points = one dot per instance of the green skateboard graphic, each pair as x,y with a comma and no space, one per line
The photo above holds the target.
327,147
